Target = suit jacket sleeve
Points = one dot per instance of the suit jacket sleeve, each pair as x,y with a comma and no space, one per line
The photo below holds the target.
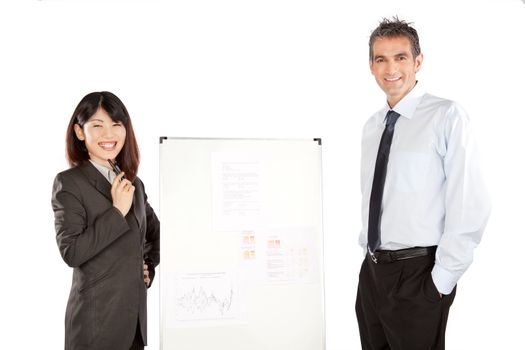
152,245
77,240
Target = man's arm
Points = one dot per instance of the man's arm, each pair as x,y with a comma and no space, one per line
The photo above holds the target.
467,203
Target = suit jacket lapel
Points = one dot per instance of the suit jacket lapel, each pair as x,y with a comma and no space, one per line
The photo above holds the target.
104,187
134,206
97,179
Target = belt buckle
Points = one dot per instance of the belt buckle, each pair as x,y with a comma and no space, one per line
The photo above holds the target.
372,256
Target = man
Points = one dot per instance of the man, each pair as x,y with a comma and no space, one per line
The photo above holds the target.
424,205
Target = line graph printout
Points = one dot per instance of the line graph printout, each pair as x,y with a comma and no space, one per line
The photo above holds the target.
205,298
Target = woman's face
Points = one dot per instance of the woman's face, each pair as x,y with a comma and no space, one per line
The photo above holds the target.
104,138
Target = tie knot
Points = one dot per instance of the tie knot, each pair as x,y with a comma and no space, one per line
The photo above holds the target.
391,118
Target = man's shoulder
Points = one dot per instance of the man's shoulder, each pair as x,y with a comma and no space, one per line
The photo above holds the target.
430,100
443,111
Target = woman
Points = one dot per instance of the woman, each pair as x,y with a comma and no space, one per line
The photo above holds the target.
106,230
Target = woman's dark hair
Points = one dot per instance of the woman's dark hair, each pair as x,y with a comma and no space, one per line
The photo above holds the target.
76,150
394,28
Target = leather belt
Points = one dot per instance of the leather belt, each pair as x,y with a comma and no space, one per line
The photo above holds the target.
390,256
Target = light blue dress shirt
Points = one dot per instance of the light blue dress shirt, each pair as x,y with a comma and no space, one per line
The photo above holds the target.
434,190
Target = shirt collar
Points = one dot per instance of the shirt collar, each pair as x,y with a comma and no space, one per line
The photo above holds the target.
408,104
107,173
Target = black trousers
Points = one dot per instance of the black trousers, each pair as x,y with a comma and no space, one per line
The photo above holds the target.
398,306
138,343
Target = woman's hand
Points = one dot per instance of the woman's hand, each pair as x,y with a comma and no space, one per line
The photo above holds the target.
147,280
122,193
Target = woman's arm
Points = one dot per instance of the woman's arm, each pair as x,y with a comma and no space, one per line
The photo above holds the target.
77,240
152,245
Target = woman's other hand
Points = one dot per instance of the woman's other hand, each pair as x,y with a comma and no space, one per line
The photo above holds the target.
147,280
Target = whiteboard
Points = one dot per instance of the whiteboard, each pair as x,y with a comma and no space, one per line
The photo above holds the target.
242,244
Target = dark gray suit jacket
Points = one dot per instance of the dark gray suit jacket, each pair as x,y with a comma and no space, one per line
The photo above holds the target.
106,251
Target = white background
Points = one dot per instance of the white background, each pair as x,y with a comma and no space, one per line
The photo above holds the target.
273,68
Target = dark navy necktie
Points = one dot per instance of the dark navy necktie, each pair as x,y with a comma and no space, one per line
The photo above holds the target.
376,196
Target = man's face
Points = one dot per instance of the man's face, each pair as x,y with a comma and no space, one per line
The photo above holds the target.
394,67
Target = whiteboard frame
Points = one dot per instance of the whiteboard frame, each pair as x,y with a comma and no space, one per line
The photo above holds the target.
318,285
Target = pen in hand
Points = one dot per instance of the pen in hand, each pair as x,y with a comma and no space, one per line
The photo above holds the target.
115,168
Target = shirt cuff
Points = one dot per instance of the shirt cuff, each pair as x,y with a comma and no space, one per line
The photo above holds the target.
444,280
